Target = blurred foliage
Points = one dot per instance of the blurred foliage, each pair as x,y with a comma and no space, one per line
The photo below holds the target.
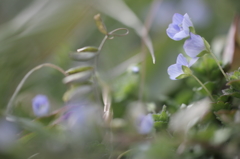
40,31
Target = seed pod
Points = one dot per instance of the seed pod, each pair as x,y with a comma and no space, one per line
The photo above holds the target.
88,49
82,56
76,93
78,77
78,69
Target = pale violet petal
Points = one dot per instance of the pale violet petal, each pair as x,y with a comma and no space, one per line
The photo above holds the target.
182,60
194,45
146,124
186,22
40,105
193,61
174,71
172,30
180,35
177,18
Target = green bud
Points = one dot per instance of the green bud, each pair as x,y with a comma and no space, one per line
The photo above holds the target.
101,26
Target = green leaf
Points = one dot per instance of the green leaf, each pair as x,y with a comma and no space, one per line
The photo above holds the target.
209,85
202,53
220,105
231,92
234,84
186,70
182,76
158,125
192,29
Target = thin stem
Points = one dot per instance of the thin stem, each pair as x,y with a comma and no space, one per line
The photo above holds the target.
109,35
215,58
9,106
122,154
203,87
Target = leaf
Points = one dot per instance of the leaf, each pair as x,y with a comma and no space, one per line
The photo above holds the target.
121,12
234,84
186,70
209,85
182,76
220,105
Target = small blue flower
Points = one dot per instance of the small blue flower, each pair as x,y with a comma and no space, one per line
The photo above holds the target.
40,105
145,124
175,70
179,28
194,46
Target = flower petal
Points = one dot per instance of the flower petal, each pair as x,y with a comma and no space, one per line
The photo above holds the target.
181,35
174,71
172,30
146,124
194,45
177,18
192,61
182,60
186,22
40,105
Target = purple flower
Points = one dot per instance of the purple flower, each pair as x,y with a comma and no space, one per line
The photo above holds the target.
145,124
176,70
179,28
40,105
194,46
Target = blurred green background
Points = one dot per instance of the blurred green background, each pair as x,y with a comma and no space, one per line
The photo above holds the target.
39,31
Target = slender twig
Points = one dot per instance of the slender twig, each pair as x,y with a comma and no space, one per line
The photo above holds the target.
215,58
9,106
203,87
122,154
110,35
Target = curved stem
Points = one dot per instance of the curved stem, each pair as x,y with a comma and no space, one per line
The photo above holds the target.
122,154
215,58
203,87
109,35
9,106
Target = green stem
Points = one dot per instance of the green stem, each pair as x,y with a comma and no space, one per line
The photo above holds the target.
215,58
9,106
122,154
203,87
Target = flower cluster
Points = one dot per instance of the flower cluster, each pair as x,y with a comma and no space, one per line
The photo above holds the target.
195,46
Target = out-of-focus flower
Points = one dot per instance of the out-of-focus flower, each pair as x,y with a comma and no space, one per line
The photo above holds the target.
40,105
178,71
82,118
145,124
8,134
194,46
179,28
